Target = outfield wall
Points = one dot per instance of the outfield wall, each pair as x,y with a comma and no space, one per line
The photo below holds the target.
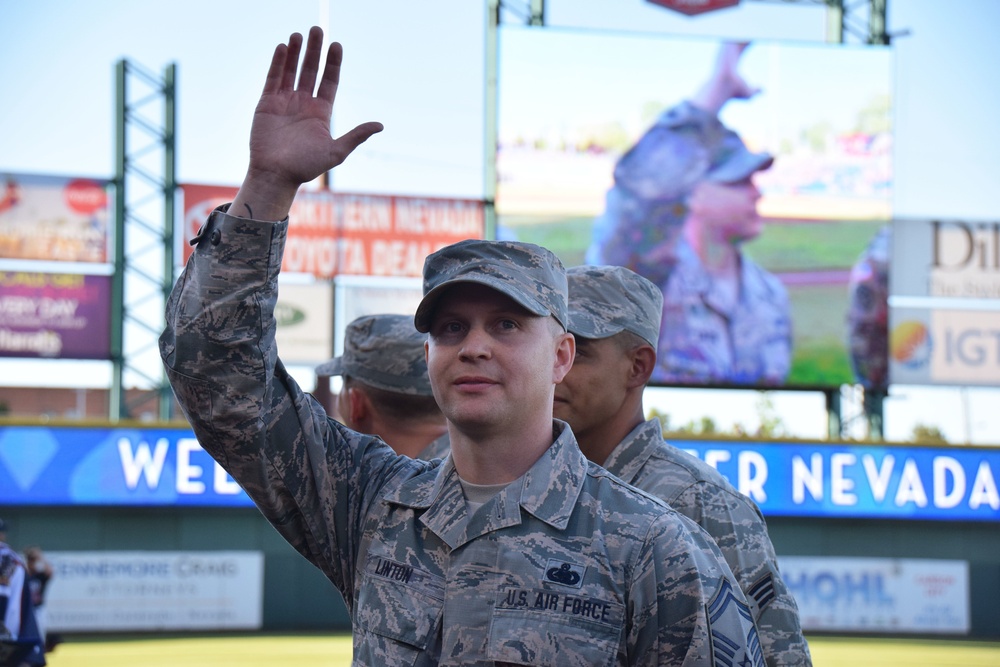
95,489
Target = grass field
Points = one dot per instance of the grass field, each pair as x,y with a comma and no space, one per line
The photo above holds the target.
335,651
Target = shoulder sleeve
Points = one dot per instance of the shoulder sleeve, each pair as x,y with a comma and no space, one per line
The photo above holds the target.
736,525
685,606
308,475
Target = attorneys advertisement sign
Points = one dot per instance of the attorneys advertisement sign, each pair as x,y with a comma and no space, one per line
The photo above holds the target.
879,595
111,591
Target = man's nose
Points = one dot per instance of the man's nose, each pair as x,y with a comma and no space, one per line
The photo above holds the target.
476,343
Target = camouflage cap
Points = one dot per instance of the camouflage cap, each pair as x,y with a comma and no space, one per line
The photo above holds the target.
606,300
529,274
686,146
383,351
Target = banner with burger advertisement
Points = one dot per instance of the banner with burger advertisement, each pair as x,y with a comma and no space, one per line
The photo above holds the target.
54,218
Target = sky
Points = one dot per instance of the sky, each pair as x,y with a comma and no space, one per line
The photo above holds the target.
418,69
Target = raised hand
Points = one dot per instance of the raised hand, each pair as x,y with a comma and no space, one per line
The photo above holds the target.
290,142
725,82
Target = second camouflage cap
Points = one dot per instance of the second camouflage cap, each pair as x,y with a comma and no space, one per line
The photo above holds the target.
527,273
385,352
606,300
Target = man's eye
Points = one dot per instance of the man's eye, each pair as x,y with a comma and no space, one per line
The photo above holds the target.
508,324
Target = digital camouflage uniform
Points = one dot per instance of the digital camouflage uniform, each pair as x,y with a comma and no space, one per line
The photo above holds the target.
606,300
700,492
702,342
437,449
567,565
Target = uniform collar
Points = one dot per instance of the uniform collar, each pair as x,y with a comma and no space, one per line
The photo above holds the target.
548,491
631,454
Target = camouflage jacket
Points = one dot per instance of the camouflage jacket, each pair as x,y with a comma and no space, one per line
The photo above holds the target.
437,449
567,565
703,341
700,492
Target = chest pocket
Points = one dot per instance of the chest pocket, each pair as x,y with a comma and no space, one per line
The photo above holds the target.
398,615
541,627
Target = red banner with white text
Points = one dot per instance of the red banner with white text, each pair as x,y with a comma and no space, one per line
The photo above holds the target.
339,233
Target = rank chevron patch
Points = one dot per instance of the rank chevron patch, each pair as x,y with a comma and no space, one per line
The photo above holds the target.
735,642
762,592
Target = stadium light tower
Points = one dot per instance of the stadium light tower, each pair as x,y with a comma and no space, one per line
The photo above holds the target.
145,185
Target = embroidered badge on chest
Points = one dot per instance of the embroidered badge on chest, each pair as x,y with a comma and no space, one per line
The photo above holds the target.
563,573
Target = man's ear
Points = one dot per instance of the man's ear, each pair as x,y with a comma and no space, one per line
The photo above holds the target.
643,360
565,354
360,408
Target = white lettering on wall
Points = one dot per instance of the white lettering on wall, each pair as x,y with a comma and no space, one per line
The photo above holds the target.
878,478
187,472
943,466
141,462
807,477
841,487
984,489
752,475
911,488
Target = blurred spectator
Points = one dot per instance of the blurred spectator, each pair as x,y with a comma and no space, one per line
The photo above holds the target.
20,643
39,575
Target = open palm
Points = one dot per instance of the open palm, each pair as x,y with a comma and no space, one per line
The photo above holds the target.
290,140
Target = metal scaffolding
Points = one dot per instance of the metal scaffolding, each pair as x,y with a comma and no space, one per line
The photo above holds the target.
145,187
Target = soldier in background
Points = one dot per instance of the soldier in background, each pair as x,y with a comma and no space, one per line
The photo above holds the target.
613,313
513,549
386,390
868,313
682,206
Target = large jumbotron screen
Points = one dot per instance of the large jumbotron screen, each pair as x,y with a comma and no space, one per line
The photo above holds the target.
574,104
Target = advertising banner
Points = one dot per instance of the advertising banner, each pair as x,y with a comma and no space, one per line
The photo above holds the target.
55,315
304,317
105,466
600,148
113,591
944,311
948,259
54,218
333,234
154,466
879,595
944,346
841,480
